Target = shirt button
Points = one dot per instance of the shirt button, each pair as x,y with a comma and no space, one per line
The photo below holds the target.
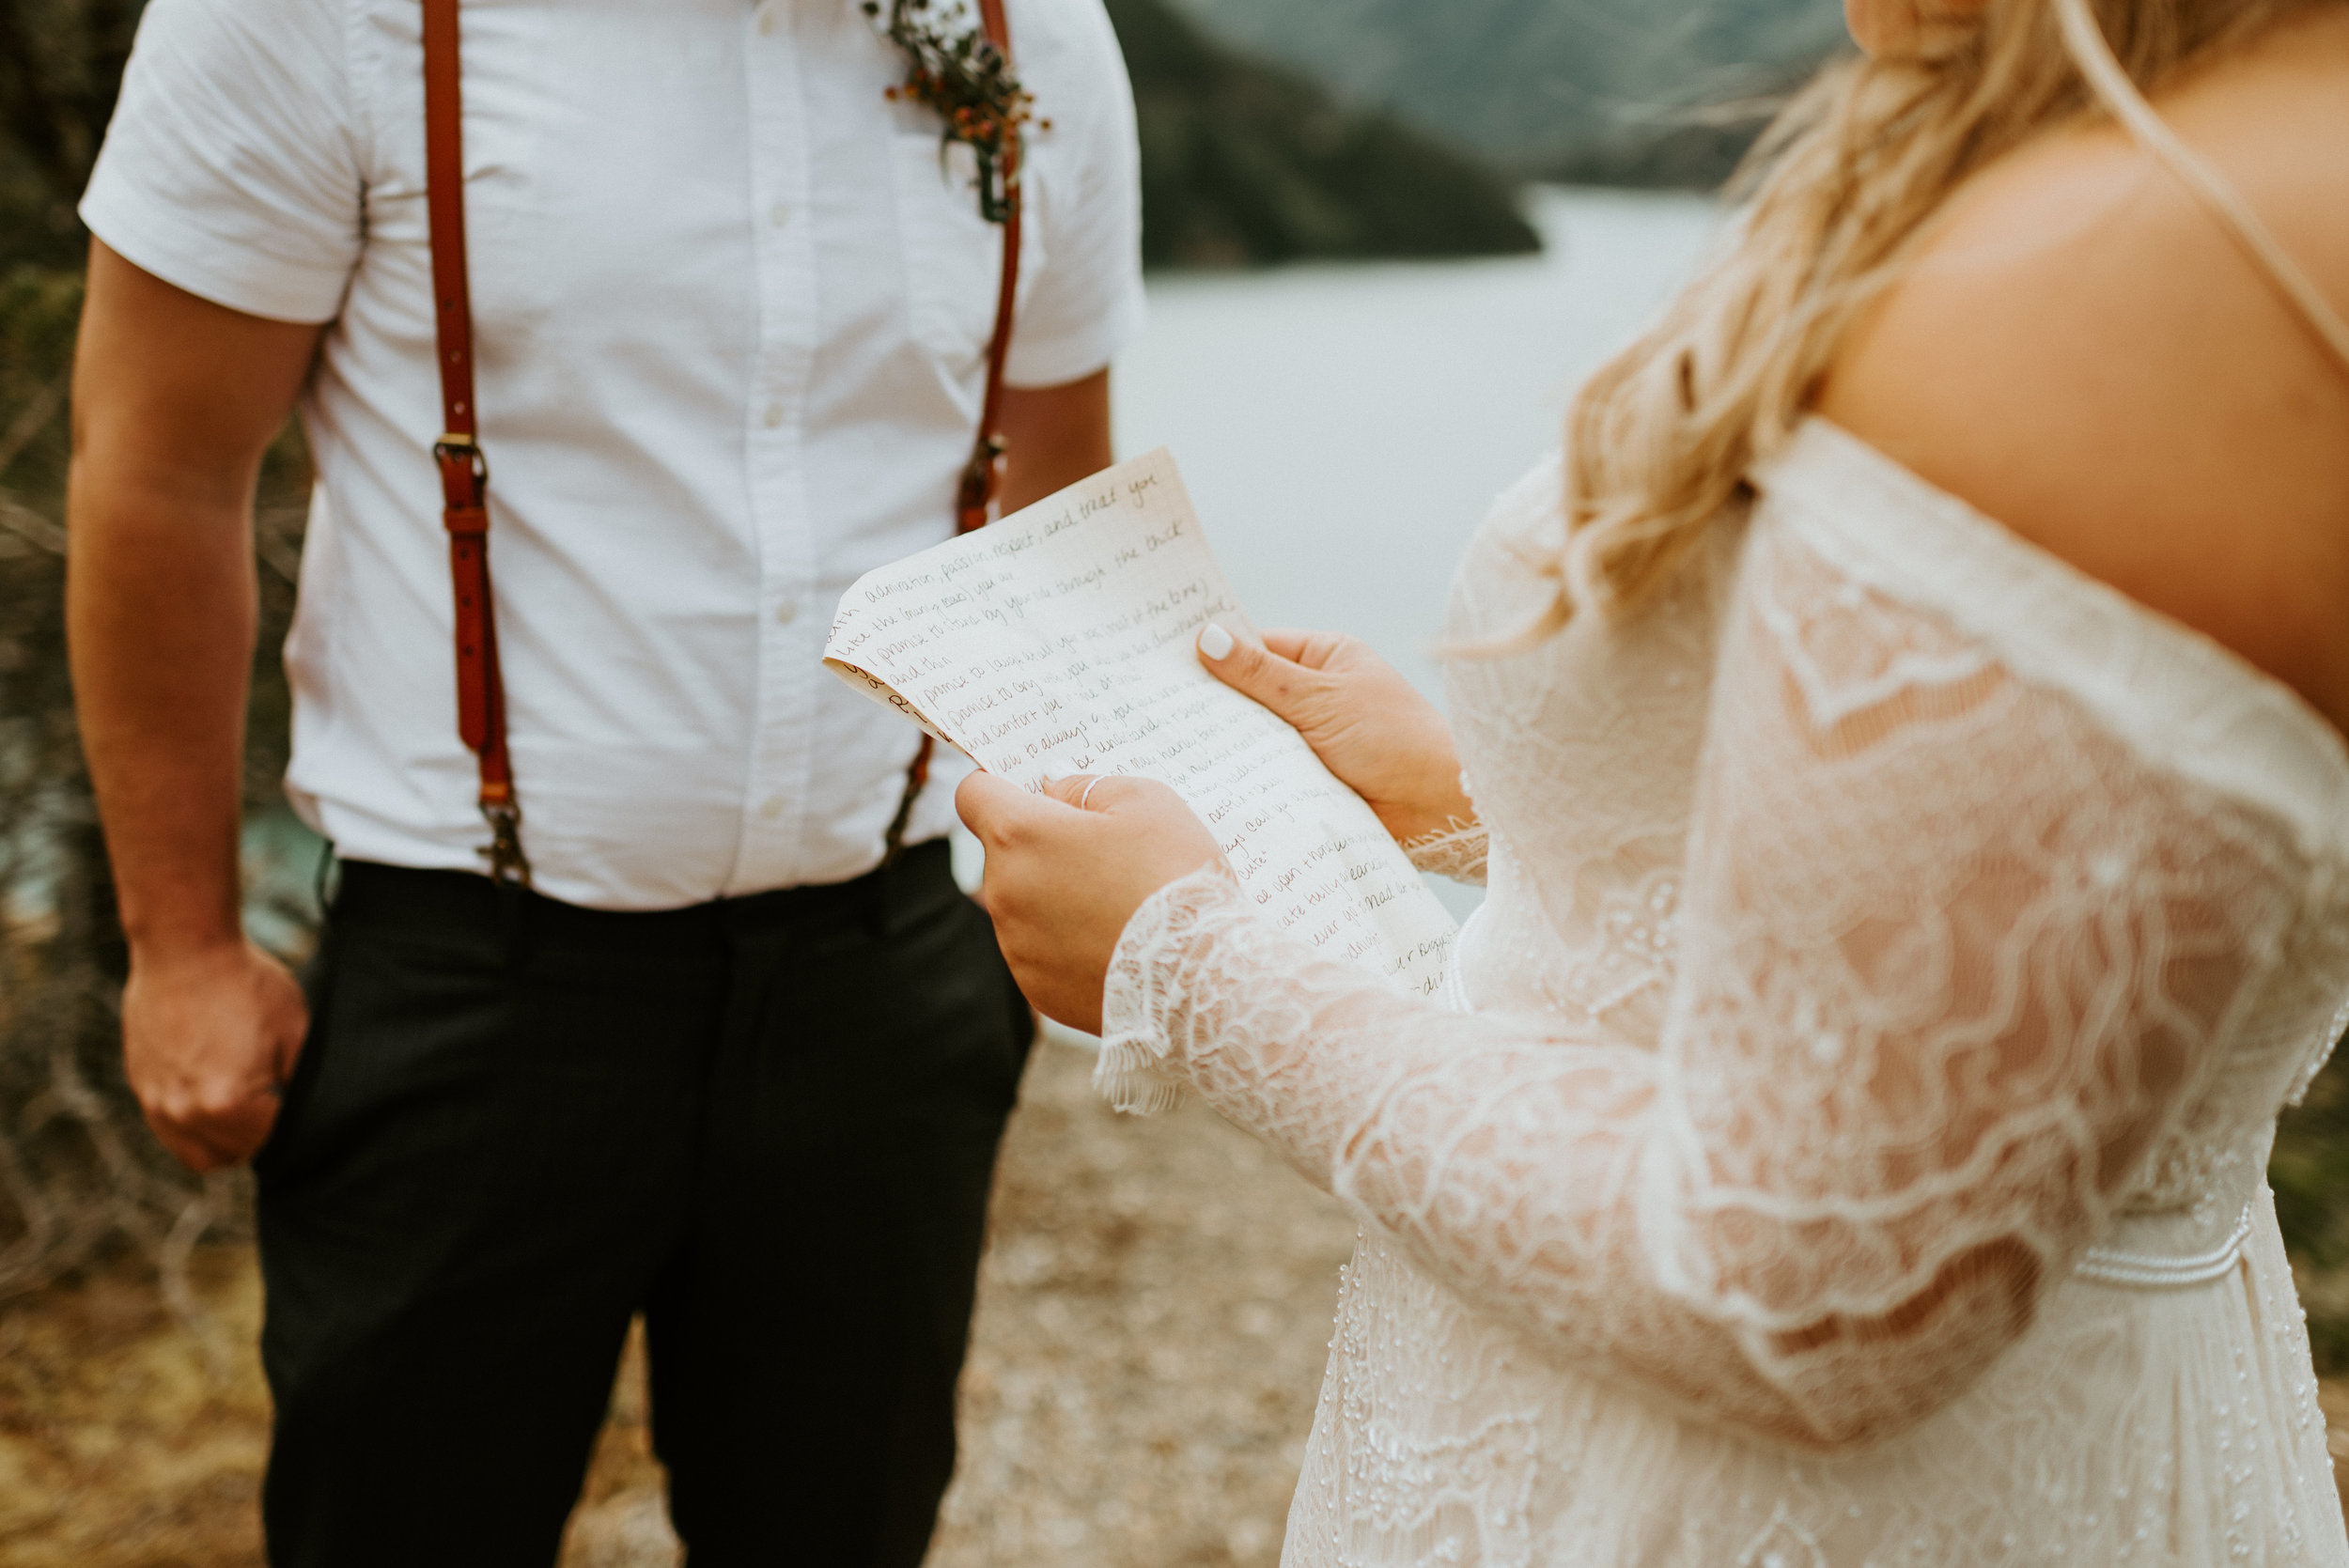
787,613
773,416
779,214
766,19
771,807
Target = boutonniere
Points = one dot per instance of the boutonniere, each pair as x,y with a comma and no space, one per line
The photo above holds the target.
953,69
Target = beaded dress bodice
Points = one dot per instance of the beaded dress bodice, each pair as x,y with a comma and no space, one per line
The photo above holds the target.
1849,1146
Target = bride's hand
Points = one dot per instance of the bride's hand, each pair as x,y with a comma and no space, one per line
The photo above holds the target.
1064,878
1369,726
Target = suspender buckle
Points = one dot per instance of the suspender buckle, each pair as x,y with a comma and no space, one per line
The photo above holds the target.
464,471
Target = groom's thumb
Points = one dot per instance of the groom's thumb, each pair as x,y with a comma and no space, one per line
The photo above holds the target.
1287,687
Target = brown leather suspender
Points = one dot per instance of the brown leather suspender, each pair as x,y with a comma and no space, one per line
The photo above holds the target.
465,473
983,476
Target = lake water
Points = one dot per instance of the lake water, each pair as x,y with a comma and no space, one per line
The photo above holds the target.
1342,429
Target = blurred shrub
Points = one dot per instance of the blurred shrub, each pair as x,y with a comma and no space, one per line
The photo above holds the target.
77,1172
60,67
80,1177
2309,1173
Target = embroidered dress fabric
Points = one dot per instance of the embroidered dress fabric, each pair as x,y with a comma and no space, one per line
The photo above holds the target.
1898,948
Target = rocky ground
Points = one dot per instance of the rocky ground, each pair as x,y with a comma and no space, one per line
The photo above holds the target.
1152,1322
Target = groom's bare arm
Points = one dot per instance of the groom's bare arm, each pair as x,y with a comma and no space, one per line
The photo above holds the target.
1054,436
175,399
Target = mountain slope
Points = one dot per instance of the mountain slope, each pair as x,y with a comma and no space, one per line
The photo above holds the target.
1248,162
1531,82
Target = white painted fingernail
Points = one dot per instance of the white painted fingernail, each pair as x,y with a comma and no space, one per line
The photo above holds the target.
1215,642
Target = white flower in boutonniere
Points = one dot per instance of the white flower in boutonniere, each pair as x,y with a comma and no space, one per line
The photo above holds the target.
954,69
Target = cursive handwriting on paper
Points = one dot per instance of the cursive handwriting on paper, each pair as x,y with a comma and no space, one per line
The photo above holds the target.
1062,638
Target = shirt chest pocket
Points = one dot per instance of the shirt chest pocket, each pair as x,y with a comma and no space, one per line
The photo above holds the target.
954,256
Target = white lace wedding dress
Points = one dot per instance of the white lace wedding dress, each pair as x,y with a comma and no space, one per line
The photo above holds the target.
1897,950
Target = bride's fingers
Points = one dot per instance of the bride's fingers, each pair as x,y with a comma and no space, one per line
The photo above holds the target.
1254,670
1095,793
1313,649
1079,790
991,808
1288,642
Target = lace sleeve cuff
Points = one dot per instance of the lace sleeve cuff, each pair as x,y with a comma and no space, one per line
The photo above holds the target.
1457,853
1144,997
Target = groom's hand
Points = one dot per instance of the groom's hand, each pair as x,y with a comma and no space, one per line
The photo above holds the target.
1063,878
1369,726
208,1040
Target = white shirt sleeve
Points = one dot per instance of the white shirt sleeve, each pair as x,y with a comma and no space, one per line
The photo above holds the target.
1087,304
231,168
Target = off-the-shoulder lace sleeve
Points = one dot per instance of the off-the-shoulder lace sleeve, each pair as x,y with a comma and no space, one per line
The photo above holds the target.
1457,853
1952,954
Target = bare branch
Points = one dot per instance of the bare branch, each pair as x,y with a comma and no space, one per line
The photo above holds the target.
277,540
31,526
34,417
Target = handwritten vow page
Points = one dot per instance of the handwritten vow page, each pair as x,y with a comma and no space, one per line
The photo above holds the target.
1060,639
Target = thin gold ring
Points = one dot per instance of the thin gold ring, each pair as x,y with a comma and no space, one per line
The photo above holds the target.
1086,794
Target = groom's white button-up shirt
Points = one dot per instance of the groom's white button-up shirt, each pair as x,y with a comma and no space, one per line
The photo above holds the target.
730,308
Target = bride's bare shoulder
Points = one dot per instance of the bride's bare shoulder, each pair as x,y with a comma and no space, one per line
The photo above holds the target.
2083,352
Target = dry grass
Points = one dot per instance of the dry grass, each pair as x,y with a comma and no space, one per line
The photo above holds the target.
1153,1318
122,1441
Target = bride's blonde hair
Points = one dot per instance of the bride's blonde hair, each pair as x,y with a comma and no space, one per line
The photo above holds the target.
1834,201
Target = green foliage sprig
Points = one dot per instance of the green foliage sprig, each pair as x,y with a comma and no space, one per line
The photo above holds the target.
953,69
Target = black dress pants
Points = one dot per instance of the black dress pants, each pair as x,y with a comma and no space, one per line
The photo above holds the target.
769,1123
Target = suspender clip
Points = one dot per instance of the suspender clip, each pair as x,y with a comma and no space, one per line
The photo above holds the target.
509,865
